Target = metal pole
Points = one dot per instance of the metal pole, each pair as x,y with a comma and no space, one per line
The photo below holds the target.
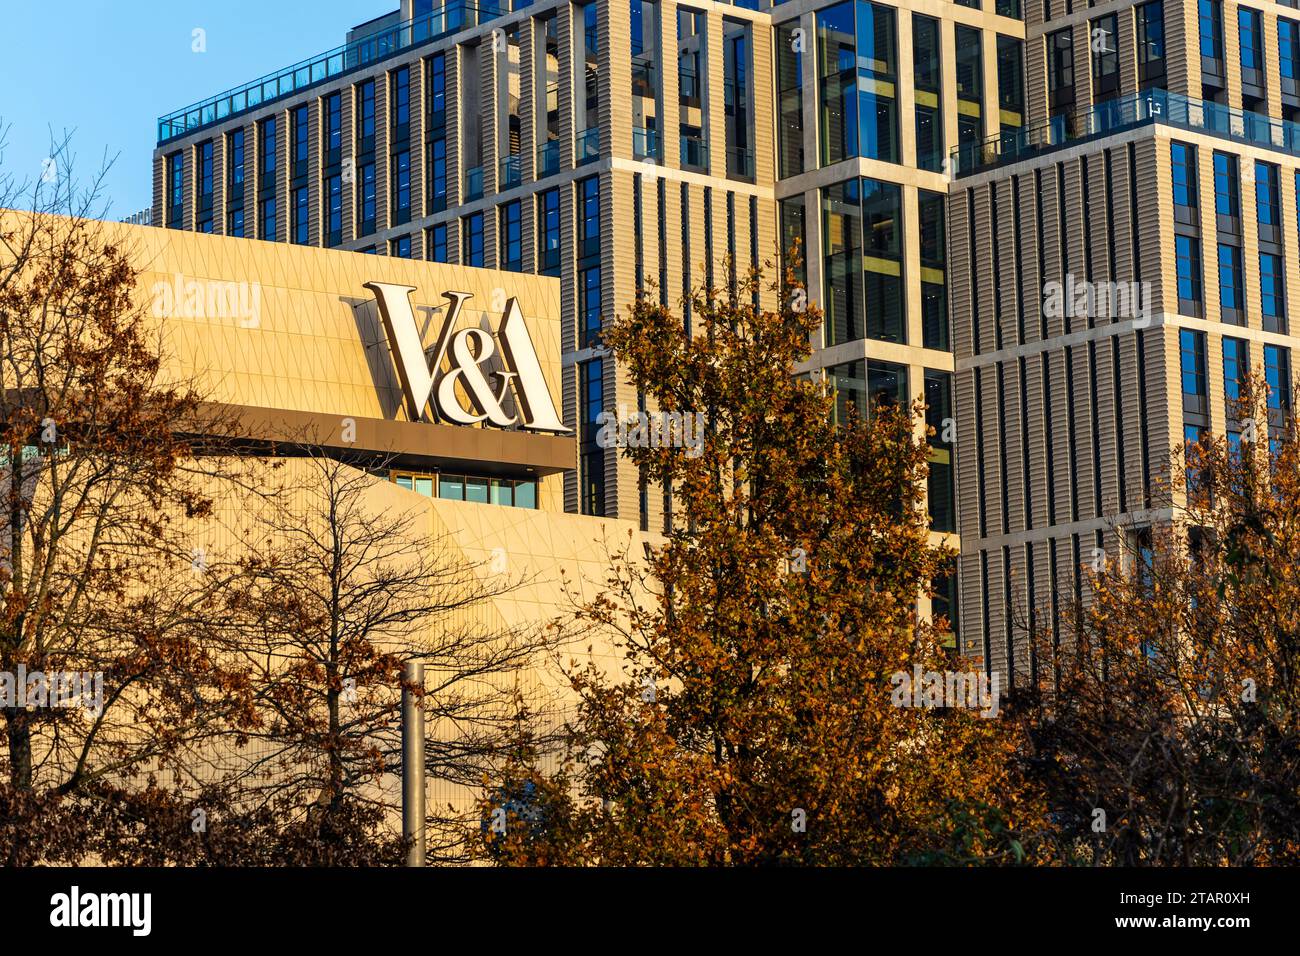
413,763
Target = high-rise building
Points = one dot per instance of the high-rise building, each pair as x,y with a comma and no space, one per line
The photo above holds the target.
625,145
1116,268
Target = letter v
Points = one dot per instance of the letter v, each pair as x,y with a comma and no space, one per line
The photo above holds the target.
413,369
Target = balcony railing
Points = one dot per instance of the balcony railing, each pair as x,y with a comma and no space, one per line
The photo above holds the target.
740,162
548,159
645,143
695,152
451,17
1135,109
688,86
588,146
643,78
473,183
510,172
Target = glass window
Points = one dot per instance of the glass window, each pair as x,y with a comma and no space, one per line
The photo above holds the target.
1277,374
301,215
934,293
476,490
301,140
1192,357
401,187
366,198
882,224
334,127
970,68
1236,368
1151,43
1187,262
472,240
1226,186
420,484
1182,162
857,53
400,248
789,81
235,167
842,262
437,92
938,416
1231,294
1272,294
1210,25
205,175
1267,199
925,53
928,95
526,494
1011,81
437,239
366,115
886,384
548,233
1288,47
1105,56
592,458
176,191
1248,24
268,152
589,218
334,209
400,109
451,486
438,174
1060,63
589,306
270,220
510,232
970,86
503,493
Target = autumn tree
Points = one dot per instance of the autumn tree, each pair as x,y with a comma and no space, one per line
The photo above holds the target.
750,718
1166,719
97,487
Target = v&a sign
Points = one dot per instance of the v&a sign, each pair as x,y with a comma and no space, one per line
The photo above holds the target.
426,384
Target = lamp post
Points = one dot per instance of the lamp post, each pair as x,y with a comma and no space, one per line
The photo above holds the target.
413,762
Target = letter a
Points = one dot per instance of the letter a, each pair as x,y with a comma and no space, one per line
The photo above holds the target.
530,385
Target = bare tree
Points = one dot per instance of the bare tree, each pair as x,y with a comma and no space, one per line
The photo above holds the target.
335,594
97,489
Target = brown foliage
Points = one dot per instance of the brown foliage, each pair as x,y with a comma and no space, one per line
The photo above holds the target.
756,681
1170,700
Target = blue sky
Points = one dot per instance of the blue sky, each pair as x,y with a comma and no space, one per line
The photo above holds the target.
107,69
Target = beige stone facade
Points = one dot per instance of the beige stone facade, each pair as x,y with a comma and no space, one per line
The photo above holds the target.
1181,183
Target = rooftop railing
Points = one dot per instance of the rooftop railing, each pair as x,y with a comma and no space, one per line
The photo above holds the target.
452,17
1135,109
